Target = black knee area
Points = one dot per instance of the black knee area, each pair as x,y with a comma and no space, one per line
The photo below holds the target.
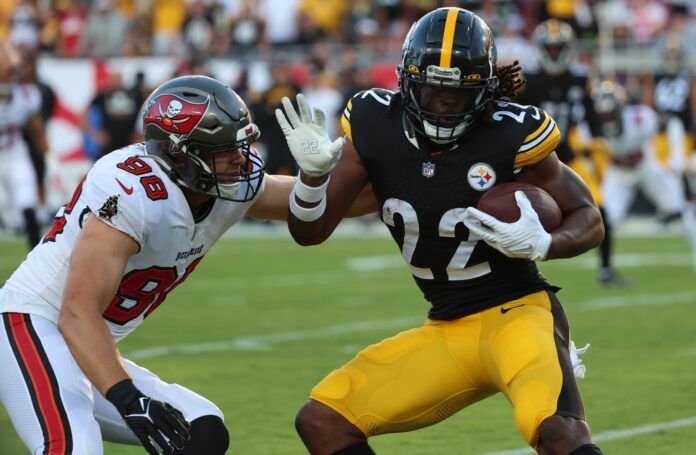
587,449
563,434
316,418
209,435
357,449
605,246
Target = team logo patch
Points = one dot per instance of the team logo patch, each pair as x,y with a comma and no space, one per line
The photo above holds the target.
109,209
481,176
173,114
428,170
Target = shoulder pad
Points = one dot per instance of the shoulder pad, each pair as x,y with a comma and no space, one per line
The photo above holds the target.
579,71
542,134
362,106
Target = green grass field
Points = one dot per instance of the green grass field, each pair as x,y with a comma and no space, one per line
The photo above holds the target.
290,315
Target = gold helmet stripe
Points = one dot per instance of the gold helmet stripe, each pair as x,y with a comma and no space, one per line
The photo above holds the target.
448,37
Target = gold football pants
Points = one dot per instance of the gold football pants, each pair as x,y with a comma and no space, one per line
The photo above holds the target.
422,376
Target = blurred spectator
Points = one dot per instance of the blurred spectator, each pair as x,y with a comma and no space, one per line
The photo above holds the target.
279,160
71,23
25,25
281,21
355,79
649,18
112,115
104,31
246,22
168,18
198,29
577,13
321,93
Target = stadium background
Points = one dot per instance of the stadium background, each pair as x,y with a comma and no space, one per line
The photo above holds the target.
263,320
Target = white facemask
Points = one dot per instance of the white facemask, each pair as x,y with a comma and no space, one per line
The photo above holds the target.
441,135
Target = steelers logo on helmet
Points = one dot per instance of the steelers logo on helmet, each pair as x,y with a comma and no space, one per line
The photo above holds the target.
447,73
481,176
200,131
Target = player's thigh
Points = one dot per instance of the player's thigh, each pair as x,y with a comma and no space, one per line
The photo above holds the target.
619,191
664,188
47,396
529,356
414,379
22,181
191,404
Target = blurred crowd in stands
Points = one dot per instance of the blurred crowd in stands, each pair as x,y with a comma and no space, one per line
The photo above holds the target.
328,49
105,28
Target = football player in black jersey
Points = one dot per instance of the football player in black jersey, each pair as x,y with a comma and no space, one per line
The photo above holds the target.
563,92
430,152
672,95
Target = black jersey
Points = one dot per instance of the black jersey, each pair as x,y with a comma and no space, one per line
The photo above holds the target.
672,96
564,97
423,198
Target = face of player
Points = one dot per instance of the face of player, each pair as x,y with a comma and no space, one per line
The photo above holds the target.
449,102
226,164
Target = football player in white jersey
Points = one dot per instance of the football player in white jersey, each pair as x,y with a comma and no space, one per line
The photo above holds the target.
135,228
19,108
641,159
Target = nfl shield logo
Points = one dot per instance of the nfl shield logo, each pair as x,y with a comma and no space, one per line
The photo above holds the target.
428,170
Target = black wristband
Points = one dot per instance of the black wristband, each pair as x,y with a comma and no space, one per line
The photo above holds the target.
122,394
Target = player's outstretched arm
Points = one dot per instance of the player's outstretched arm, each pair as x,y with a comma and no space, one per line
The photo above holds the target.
274,202
96,267
332,175
582,227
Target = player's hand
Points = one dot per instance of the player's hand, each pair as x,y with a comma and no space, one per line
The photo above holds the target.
308,139
160,427
523,239
578,368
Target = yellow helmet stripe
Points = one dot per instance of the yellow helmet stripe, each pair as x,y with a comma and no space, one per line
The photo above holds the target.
448,37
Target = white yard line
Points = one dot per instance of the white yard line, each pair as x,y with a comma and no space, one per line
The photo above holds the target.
613,435
606,303
586,262
629,261
263,342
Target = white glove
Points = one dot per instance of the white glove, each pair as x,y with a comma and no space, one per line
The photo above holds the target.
524,239
575,353
307,139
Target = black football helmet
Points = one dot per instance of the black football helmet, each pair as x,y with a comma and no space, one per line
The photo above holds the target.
191,124
608,100
447,73
556,43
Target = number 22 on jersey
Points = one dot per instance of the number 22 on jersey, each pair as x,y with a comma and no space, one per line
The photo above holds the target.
457,269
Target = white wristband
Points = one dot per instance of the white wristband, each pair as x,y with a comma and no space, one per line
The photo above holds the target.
308,193
306,214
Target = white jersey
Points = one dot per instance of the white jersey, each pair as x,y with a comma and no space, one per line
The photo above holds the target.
129,191
640,123
24,102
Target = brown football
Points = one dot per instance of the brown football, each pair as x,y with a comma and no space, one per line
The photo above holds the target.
500,202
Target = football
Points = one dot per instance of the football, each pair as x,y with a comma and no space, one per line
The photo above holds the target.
500,202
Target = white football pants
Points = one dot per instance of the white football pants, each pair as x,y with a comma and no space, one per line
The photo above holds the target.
54,407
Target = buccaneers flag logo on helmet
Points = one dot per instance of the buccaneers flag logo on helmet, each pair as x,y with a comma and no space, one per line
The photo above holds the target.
173,114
